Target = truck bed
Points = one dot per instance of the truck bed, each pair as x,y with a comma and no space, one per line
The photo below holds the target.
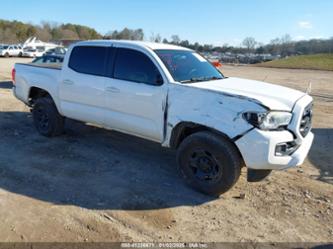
28,75
44,65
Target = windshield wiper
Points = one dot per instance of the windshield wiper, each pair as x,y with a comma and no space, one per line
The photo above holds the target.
192,80
213,78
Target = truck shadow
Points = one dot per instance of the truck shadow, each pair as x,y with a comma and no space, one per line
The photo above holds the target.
6,85
321,153
89,167
98,169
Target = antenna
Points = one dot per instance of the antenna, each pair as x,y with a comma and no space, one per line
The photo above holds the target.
308,91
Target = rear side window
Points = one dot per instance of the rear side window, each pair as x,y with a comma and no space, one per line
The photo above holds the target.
132,65
88,60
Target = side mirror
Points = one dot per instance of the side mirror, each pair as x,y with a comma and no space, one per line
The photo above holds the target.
159,80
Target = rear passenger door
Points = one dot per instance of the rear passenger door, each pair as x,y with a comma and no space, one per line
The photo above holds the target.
135,94
82,84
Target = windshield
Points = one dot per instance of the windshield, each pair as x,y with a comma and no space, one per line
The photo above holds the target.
188,66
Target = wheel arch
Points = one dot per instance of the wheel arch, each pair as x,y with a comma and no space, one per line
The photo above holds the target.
37,92
184,129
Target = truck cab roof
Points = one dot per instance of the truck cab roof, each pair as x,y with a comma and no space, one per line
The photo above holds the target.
142,44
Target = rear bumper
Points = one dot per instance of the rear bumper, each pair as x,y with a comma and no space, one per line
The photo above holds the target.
258,149
17,95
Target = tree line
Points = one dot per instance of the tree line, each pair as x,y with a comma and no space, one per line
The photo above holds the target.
18,32
285,46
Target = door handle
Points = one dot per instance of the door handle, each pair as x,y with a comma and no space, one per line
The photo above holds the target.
144,94
112,89
68,82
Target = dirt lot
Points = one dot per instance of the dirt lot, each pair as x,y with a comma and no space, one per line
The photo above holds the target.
96,185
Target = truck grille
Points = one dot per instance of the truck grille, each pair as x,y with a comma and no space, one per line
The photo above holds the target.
306,122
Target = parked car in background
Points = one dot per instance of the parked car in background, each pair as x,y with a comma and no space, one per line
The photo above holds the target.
11,50
49,59
61,51
34,52
173,96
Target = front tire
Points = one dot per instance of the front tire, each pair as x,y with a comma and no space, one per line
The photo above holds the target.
209,163
46,117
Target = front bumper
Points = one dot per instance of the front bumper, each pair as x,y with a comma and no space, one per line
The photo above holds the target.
258,147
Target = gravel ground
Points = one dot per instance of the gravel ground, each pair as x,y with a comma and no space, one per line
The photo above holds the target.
96,185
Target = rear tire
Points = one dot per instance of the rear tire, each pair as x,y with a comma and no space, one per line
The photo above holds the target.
46,117
6,55
209,163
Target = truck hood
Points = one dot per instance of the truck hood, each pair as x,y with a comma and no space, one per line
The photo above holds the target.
272,96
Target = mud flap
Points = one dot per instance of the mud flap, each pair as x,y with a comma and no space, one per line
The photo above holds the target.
257,175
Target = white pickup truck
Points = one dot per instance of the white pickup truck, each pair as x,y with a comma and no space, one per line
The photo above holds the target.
173,96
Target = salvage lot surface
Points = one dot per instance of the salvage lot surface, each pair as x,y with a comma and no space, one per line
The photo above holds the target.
96,185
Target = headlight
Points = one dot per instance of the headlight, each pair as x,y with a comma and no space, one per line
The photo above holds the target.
268,120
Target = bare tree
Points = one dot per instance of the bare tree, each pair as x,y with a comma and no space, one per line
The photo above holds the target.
155,37
69,34
43,34
138,35
249,43
175,39
283,46
285,39
287,45
125,34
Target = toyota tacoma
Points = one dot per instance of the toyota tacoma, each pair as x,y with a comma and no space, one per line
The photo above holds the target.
173,96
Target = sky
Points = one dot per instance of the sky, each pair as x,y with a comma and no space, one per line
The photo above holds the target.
207,21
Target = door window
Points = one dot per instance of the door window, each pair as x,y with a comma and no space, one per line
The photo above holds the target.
88,60
135,66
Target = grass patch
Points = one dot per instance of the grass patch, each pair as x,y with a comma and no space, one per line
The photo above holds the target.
315,61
